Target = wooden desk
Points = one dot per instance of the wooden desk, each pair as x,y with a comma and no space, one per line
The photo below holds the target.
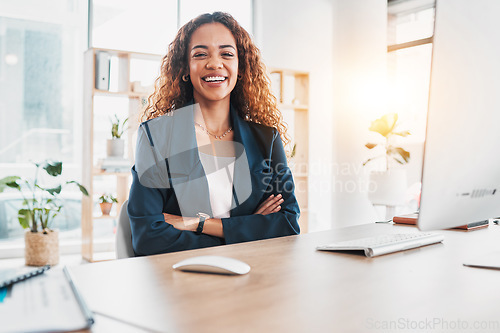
293,288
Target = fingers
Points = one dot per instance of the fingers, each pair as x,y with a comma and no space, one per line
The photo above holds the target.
275,207
261,206
267,203
270,205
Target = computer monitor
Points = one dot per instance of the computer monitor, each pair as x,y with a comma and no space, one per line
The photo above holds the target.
461,168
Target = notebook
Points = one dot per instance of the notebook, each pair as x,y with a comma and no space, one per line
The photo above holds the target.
51,301
13,275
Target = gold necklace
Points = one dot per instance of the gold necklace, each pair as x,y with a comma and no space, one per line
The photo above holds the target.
218,137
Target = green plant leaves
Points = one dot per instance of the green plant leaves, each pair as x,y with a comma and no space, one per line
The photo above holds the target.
24,216
384,125
116,131
48,213
399,154
107,198
9,181
39,208
81,187
368,160
53,168
54,190
123,126
403,133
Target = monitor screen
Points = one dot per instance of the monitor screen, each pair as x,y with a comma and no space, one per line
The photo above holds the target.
461,168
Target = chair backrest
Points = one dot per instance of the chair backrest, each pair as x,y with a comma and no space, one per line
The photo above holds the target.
123,240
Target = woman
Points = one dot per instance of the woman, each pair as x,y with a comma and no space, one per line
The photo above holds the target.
210,165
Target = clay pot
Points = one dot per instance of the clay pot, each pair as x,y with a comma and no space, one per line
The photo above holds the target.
106,207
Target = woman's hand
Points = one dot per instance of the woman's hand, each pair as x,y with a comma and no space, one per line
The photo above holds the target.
181,223
270,205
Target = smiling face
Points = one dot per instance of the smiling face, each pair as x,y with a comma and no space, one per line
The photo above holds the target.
213,63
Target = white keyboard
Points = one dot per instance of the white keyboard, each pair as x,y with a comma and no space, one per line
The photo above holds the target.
383,244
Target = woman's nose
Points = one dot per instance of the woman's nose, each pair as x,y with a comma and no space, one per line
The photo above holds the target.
214,63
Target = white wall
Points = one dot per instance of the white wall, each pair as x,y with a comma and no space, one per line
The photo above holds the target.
299,35
359,64
343,46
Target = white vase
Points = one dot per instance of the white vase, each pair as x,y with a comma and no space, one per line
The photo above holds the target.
115,147
387,187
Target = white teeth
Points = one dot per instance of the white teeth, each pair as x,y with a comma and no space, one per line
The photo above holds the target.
214,78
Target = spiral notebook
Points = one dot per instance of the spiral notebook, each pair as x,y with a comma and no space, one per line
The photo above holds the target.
13,275
51,301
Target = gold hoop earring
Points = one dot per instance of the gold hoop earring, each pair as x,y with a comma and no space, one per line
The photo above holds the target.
185,78
240,76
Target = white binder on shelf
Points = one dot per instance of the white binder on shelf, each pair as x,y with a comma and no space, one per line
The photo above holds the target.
102,65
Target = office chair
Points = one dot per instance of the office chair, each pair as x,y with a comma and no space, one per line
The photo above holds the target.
123,238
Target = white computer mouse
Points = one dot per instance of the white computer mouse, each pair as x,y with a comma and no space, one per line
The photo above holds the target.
213,264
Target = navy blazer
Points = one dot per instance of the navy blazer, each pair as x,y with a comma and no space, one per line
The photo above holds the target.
268,174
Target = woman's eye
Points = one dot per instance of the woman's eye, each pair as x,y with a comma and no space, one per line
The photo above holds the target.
227,54
198,55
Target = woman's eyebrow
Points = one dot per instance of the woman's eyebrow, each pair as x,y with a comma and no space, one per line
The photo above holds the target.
206,47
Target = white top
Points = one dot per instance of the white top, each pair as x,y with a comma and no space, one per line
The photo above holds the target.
219,171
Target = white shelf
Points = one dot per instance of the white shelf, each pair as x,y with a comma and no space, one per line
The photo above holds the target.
122,83
292,92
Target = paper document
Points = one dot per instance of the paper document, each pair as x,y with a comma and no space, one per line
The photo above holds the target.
43,303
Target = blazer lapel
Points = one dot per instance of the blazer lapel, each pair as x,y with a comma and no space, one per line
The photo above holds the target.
184,166
251,171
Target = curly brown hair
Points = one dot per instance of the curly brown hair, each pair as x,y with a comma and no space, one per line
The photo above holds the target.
251,96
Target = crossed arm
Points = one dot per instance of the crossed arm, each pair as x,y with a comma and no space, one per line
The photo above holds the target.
154,231
213,226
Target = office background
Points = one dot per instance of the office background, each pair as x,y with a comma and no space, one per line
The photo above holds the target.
342,44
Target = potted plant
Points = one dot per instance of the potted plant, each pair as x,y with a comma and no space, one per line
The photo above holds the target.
116,145
388,187
106,202
38,211
386,126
